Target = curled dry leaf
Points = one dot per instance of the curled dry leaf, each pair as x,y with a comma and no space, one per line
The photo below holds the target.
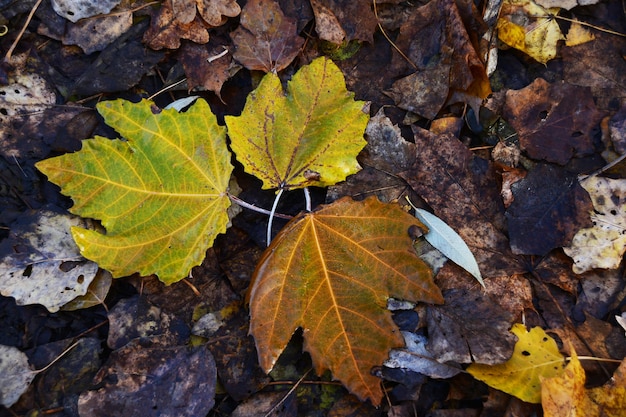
331,273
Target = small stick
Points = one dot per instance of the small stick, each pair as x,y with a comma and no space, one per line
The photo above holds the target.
7,57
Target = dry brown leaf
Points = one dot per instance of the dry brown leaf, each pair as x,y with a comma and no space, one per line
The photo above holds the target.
266,40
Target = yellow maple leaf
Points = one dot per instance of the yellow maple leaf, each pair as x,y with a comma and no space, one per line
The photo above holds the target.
525,25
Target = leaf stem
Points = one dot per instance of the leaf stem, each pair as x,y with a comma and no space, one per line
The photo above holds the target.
271,219
307,199
252,207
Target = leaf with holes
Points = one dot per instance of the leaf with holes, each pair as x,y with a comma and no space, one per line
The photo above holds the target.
308,137
160,193
331,273
535,356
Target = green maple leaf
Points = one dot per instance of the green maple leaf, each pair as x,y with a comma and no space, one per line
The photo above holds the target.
161,193
308,137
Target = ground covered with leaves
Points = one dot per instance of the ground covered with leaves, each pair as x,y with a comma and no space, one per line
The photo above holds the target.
505,119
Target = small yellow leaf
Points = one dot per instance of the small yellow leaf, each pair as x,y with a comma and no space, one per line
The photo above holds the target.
535,355
610,399
532,29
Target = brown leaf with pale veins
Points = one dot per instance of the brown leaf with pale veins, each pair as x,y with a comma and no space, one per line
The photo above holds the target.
555,122
340,21
166,29
266,40
331,273
443,59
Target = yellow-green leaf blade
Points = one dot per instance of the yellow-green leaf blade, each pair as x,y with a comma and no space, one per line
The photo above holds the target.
331,273
161,194
535,356
308,137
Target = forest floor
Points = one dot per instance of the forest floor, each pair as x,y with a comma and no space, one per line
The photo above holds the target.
512,154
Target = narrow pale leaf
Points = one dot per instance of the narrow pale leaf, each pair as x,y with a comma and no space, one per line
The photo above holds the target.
331,273
308,137
160,194
448,242
535,356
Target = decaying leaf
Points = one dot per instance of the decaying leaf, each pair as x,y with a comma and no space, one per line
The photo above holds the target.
603,245
310,137
152,378
446,67
167,29
41,263
16,375
526,26
566,396
331,273
536,356
469,327
266,39
555,122
74,10
578,34
549,208
95,34
339,21
160,193
208,66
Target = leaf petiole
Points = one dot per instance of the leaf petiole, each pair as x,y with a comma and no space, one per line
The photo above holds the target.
252,207
272,213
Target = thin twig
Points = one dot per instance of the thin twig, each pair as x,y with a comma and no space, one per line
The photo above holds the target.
272,213
389,39
608,166
252,207
282,400
7,57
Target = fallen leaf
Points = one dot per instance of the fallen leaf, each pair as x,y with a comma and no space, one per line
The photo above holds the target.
578,34
310,137
16,375
603,245
119,67
41,263
445,64
415,357
469,327
462,190
96,293
339,21
74,10
214,11
160,193
94,35
555,122
565,4
167,29
536,355
538,33
149,377
208,66
358,254
549,208
448,242
266,39
564,395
